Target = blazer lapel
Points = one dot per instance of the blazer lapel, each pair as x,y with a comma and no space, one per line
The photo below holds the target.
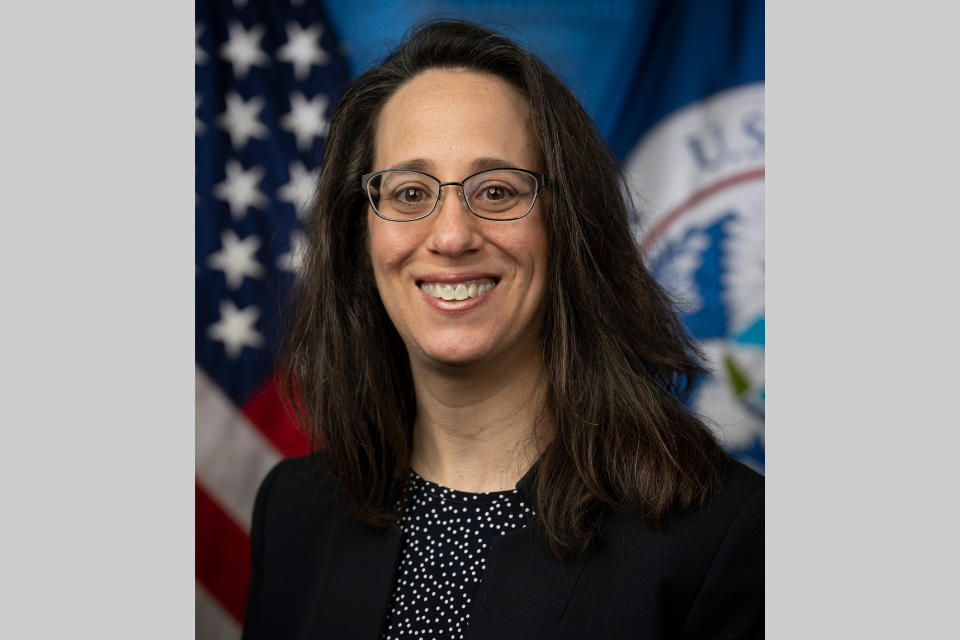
354,603
524,590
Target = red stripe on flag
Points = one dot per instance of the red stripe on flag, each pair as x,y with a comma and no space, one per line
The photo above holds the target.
694,200
222,556
266,409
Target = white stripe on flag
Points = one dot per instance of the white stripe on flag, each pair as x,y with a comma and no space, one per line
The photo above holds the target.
212,622
233,456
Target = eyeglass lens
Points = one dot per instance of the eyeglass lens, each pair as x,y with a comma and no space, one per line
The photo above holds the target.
498,194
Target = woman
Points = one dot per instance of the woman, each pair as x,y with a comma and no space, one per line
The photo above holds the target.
496,383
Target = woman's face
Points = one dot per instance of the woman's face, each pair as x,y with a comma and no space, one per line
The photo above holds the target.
451,124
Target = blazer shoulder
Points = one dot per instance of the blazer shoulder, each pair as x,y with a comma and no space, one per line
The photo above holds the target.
741,480
296,489
729,602
293,469
299,529
743,488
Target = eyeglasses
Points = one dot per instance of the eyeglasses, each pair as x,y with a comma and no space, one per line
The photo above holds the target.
495,194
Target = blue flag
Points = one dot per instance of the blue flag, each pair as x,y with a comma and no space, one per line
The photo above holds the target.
691,133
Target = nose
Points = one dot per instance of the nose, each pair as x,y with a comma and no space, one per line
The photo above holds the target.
455,229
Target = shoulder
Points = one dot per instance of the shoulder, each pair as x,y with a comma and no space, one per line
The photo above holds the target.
740,498
739,508
741,478
730,575
700,574
737,511
294,478
743,492
297,484
297,506
299,524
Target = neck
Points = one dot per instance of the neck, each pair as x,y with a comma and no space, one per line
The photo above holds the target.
479,428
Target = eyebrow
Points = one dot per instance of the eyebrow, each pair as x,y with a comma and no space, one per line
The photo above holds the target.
418,164
480,164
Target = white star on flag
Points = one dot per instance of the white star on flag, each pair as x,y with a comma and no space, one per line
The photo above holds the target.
235,328
305,119
242,121
243,49
201,54
200,126
236,258
299,191
241,189
293,258
303,49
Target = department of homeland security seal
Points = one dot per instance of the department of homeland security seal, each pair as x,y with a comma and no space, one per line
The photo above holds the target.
698,183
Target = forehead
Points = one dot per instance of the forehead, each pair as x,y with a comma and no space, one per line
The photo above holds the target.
444,121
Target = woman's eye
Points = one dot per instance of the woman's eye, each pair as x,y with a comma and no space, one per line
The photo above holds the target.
412,195
495,194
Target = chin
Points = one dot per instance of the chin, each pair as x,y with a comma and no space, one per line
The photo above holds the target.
455,354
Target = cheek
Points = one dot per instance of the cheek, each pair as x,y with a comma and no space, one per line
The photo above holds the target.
389,249
536,250
529,245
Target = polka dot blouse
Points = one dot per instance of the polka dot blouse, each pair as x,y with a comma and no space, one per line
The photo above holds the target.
446,540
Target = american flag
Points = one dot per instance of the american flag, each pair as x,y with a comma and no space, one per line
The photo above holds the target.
267,74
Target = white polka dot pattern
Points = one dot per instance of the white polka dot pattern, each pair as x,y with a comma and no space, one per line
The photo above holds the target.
446,541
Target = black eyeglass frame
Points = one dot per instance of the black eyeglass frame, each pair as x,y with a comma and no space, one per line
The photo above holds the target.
542,181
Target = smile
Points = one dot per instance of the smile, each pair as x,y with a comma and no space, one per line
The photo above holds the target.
458,290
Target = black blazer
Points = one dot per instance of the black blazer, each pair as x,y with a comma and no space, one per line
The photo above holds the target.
319,572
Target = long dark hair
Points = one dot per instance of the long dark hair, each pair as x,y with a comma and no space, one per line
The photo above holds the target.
618,360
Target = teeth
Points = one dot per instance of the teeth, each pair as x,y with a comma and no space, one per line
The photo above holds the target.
458,291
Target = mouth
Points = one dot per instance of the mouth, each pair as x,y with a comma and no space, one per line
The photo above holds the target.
458,290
